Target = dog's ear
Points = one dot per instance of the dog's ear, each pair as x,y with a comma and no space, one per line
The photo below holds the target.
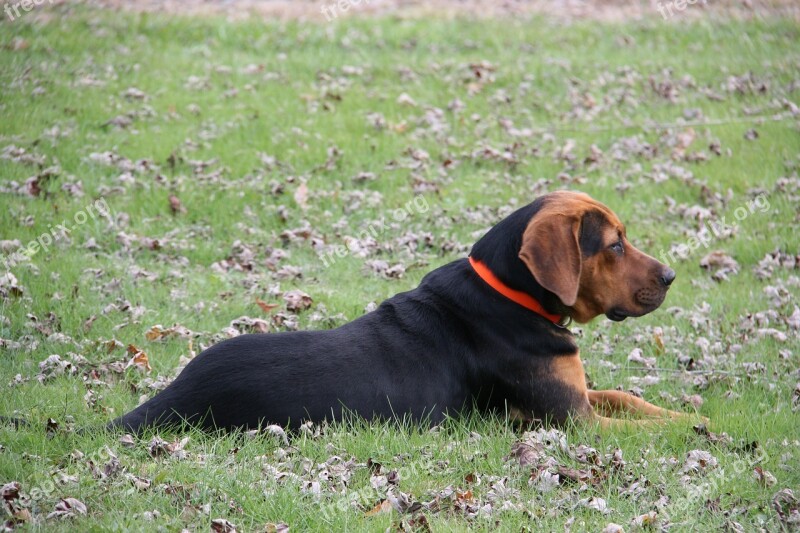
551,250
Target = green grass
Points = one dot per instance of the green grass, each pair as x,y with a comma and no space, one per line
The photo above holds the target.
305,99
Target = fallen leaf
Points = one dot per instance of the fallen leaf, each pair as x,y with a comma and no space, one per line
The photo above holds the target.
419,523
588,476
526,454
221,525
764,477
139,359
175,205
645,520
698,461
297,300
10,491
787,505
266,307
383,507
68,508
720,264
301,196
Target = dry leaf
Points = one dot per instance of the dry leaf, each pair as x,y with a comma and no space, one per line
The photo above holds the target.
220,525
175,205
68,508
139,359
266,307
383,507
301,196
297,300
527,454
10,491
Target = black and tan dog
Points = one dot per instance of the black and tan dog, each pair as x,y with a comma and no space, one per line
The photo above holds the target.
480,333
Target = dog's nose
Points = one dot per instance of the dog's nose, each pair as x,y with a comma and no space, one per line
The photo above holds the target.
667,277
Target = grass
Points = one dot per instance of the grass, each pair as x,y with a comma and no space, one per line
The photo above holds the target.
313,87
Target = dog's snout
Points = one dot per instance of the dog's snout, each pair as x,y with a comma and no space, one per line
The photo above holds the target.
667,277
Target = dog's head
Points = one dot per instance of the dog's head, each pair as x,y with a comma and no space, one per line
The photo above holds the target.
576,248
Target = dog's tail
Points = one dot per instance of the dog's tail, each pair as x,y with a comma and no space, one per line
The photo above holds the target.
172,407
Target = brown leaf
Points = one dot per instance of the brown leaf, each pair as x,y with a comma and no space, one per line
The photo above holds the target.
220,525
246,324
158,446
297,300
140,483
139,359
175,205
22,515
18,43
658,339
526,454
67,508
722,438
154,333
574,475
787,505
87,324
720,264
764,477
646,520
301,196
464,496
112,345
382,508
419,523
266,307
159,332
10,491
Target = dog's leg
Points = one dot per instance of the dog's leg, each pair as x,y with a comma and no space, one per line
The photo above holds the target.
618,423
613,401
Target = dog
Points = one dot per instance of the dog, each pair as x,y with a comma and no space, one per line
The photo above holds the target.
486,332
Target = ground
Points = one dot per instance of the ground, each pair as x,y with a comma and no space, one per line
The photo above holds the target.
169,180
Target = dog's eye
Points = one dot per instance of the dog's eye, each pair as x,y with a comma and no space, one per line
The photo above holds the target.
617,247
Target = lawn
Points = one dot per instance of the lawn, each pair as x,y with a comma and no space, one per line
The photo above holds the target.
184,176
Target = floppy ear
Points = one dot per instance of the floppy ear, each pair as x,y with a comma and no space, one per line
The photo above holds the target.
551,250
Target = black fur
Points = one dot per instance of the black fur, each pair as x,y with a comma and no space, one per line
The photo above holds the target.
451,344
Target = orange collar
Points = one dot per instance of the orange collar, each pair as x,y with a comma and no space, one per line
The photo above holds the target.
522,298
